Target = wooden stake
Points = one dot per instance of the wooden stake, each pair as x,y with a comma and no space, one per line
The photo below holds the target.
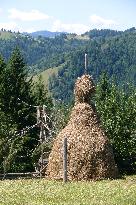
40,120
41,142
4,166
65,160
85,63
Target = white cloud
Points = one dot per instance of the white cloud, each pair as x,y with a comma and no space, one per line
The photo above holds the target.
71,28
100,22
27,16
8,26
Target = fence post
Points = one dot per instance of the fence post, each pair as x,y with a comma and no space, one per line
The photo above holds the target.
65,160
41,142
4,166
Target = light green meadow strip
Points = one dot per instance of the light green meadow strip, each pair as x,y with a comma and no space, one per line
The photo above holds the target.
44,192
4,35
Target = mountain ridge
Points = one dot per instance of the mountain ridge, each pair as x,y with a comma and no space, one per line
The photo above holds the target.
46,33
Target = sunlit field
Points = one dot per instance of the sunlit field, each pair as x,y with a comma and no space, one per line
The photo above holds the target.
45,192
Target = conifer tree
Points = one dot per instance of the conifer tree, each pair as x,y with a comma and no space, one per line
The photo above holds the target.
16,94
2,64
2,67
15,89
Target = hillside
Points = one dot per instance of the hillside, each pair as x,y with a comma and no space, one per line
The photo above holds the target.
111,51
47,34
46,74
114,55
4,35
40,53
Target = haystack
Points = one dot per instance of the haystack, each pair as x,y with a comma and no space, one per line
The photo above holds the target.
90,155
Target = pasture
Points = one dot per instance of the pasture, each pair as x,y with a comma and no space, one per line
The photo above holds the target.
48,192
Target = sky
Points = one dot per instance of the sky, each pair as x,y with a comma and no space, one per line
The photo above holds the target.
73,16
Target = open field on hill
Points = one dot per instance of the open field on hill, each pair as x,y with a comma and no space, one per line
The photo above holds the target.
6,35
46,74
45,192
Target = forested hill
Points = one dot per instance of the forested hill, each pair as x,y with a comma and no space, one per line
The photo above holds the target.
46,34
115,55
108,50
43,52
40,53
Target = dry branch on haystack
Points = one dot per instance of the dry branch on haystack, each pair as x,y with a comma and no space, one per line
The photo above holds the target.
90,155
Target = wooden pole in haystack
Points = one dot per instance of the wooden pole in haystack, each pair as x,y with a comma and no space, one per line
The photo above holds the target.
85,63
65,160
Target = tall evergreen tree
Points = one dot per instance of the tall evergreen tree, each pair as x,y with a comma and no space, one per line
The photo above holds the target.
15,89
5,124
15,97
2,64
18,96
2,67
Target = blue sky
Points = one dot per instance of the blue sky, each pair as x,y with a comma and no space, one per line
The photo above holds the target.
75,16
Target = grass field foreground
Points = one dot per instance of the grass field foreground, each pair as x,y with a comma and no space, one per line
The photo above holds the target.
45,192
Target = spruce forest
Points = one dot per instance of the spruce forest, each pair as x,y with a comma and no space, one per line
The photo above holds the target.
39,70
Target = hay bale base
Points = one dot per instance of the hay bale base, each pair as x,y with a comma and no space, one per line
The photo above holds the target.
90,155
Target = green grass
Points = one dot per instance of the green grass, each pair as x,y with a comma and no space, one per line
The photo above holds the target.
45,192
79,37
85,37
5,35
47,73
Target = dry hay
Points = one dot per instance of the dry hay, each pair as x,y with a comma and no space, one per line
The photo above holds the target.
90,155
84,87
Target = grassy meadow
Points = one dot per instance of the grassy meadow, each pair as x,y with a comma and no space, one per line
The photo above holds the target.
46,192
4,35
45,75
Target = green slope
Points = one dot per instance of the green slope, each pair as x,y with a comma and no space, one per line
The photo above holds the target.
5,35
47,74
